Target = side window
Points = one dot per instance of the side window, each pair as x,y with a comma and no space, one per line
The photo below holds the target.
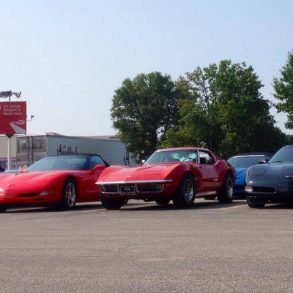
95,160
193,156
205,158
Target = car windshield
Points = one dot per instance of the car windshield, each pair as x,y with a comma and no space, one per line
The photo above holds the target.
172,156
285,154
246,161
59,163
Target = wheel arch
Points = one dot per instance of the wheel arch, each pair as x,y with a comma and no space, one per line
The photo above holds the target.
179,172
229,172
188,172
71,177
179,197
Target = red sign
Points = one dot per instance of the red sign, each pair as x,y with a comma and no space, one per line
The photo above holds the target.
12,117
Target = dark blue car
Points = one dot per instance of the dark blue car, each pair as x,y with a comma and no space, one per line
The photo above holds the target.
241,163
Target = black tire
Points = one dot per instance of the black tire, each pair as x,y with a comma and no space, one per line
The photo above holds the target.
3,209
185,194
69,195
255,202
163,201
225,195
112,203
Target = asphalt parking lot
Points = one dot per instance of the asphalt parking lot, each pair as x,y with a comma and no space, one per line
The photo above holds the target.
147,248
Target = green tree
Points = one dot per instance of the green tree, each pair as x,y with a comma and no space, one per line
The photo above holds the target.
222,107
197,121
284,90
143,109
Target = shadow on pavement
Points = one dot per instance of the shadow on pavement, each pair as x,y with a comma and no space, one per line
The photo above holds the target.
79,207
197,205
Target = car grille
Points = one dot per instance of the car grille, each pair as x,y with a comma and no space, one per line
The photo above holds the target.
150,187
263,189
132,188
110,188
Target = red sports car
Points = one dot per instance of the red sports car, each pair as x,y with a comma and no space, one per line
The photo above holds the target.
56,180
177,174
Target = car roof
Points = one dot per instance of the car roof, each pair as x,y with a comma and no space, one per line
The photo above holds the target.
182,149
71,155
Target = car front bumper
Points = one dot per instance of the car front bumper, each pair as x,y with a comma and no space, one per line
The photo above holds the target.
279,192
140,189
12,198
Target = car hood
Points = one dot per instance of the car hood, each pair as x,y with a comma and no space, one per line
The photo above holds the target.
145,172
270,173
27,179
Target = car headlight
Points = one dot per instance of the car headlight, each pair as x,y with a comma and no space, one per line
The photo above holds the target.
248,188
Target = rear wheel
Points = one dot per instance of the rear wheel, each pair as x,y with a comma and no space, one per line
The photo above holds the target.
69,194
185,193
226,193
112,203
255,202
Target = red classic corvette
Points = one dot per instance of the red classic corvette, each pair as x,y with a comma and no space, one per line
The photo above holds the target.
177,174
61,180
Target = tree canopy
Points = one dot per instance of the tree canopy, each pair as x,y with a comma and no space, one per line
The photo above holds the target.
143,109
284,90
221,107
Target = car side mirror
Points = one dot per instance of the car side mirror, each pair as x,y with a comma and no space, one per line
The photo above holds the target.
263,162
142,162
210,161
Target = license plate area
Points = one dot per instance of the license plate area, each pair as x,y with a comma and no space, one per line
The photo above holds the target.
127,189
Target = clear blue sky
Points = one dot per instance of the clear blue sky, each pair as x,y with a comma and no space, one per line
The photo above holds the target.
69,56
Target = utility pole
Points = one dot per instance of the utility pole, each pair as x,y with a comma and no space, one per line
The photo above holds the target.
9,94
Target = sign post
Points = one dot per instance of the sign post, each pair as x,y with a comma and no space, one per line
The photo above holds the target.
9,151
12,121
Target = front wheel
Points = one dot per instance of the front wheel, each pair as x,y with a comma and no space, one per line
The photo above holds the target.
255,202
112,203
185,194
69,194
226,193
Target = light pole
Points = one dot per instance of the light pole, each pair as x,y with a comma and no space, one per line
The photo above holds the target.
9,94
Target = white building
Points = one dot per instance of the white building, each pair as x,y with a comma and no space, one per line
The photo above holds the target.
4,151
28,149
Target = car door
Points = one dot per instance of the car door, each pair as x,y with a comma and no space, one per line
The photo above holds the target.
210,176
95,167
